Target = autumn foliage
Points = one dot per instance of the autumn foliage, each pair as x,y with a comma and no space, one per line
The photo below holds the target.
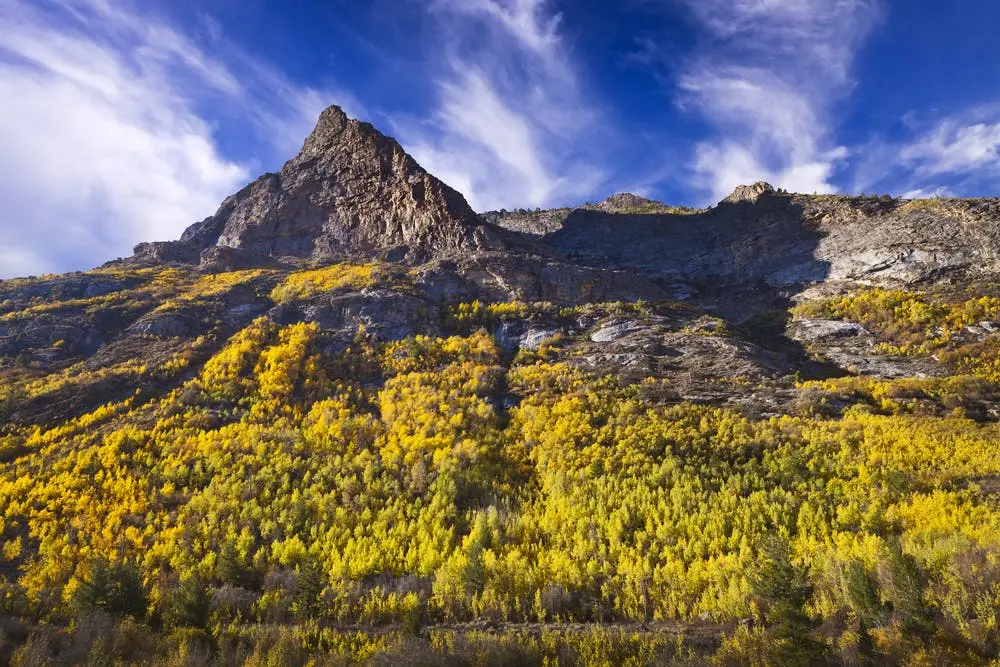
430,480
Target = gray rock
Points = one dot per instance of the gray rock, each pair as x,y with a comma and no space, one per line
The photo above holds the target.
782,240
161,326
811,330
350,191
284,314
749,193
386,314
681,291
508,335
100,289
533,338
626,202
244,312
221,258
852,348
615,331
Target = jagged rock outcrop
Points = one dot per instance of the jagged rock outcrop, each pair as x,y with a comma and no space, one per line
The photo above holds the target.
351,191
749,193
626,202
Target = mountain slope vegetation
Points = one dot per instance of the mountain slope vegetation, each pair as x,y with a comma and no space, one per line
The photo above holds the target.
518,454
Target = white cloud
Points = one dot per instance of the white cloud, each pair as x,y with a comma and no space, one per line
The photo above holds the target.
953,148
508,127
528,21
925,193
765,76
944,156
103,137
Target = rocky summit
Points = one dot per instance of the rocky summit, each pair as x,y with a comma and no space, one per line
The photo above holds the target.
350,191
348,413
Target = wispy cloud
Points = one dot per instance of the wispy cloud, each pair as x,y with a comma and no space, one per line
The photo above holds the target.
104,136
510,112
953,148
765,76
957,154
924,193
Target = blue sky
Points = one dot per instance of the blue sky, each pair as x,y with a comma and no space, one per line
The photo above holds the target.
123,121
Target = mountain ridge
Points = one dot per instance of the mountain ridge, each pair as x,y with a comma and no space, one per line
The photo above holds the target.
353,198
353,192
347,415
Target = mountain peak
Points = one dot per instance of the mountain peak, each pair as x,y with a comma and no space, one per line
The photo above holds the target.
333,115
330,125
624,202
351,191
749,193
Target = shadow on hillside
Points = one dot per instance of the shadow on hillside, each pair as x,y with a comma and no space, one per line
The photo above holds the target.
743,262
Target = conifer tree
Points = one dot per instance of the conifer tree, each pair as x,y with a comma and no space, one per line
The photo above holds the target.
785,589
308,591
229,567
117,589
190,603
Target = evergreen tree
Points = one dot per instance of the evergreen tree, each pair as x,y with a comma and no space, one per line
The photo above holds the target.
308,593
230,568
190,603
863,595
785,589
908,584
94,589
117,589
478,541
128,594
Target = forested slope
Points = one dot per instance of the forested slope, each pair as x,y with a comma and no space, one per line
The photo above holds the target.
519,456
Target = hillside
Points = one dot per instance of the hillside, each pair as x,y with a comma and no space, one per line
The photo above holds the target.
348,419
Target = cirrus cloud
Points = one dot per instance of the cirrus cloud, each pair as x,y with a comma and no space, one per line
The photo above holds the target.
511,115
765,76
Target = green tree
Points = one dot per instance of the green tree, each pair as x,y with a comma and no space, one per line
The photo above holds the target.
94,589
230,567
190,603
115,588
478,541
907,592
863,595
308,592
785,590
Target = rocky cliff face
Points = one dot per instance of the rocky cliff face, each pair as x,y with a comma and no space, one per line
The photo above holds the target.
757,235
351,191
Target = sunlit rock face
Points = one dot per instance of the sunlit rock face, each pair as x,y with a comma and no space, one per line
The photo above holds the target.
350,191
